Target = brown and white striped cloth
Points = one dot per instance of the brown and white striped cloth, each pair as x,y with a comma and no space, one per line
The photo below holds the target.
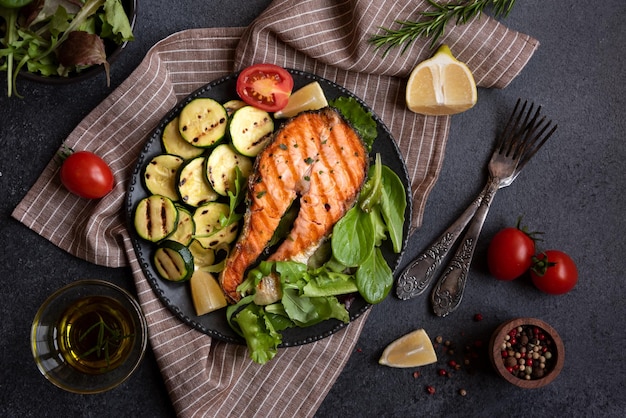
206,377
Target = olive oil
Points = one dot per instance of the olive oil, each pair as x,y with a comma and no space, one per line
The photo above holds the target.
96,334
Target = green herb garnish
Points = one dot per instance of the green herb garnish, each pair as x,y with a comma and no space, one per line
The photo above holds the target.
108,340
433,22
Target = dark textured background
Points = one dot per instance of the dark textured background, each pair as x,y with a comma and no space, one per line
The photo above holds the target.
572,190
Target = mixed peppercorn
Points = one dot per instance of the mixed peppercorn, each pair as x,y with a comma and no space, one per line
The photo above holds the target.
527,352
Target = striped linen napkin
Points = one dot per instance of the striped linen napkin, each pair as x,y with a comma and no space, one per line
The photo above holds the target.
206,377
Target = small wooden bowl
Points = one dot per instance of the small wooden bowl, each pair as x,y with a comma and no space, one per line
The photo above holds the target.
553,367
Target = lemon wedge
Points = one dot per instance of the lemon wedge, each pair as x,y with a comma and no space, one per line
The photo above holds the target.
206,293
411,350
441,85
309,97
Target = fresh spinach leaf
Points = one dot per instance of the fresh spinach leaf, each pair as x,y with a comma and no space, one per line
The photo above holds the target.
374,278
393,205
352,240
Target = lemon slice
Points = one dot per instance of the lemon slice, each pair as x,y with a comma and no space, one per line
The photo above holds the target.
441,85
412,350
309,97
206,293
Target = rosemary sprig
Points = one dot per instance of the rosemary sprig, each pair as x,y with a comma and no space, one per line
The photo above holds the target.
108,338
433,22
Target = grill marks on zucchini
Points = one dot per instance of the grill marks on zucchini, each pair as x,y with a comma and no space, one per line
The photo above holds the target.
221,168
156,217
210,232
250,130
161,173
174,143
203,122
173,261
193,186
185,228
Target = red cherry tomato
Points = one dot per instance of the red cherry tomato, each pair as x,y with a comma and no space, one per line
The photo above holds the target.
554,272
86,175
510,253
266,86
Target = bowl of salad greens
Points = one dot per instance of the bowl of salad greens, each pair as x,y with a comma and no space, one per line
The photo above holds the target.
62,41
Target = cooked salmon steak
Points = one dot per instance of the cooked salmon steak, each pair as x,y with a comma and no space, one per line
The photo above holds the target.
315,157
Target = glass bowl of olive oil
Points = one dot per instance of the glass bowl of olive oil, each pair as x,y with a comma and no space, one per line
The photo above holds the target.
89,336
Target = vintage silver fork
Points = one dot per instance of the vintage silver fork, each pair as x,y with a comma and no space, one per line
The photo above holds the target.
522,137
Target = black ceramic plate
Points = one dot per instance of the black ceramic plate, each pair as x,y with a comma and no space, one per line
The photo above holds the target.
176,296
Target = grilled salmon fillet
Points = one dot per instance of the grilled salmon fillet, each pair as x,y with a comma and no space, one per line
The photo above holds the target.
315,157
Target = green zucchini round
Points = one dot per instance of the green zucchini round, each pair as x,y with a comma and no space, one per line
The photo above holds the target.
155,218
173,261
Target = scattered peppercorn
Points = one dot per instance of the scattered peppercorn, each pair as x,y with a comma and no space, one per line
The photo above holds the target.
478,317
430,390
462,392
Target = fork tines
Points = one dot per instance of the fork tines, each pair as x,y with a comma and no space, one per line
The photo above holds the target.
524,133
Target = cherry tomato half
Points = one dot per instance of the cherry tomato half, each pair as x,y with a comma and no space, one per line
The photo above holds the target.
554,272
266,86
510,253
85,174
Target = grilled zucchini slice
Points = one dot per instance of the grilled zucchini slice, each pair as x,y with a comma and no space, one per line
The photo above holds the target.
232,105
173,261
193,187
174,143
209,231
250,130
160,175
202,122
185,228
221,168
156,217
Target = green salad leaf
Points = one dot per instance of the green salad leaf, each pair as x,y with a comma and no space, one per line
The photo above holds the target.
257,329
393,205
353,238
374,278
360,119
53,37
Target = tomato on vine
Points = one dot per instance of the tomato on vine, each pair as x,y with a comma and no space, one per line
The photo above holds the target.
554,272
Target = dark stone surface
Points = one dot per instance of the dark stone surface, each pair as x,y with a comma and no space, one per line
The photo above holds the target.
573,191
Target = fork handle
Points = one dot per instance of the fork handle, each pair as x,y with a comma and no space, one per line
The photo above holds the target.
416,277
448,290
